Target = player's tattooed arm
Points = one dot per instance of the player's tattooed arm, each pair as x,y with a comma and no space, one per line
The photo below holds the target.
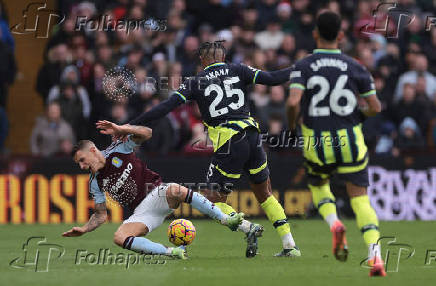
97,219
139,133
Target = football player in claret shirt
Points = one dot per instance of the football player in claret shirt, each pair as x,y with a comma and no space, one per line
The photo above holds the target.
123,176
220,91
330,86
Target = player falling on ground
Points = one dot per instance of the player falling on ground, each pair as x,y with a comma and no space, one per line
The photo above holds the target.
327,82
117,171
220,92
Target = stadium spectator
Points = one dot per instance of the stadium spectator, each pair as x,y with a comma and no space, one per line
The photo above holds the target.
387,137
271,38
199,142
409,106
7,71
50,73
284,12
410,136
82,59
5,33
429,51
119,114
164,136
420,65
188,56
73,108
51,133
275,107
104,55
71,90
4,129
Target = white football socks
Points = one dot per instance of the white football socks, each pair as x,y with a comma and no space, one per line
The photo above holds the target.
331,218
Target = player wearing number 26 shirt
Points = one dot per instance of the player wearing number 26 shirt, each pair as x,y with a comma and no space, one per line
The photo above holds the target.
333,93
220,91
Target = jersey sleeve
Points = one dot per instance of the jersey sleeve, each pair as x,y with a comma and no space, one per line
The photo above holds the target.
248,74
297,76
126,147
94,189
185,89
365,83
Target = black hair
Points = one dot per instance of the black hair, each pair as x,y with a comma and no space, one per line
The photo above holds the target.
328,24
80,146
208,50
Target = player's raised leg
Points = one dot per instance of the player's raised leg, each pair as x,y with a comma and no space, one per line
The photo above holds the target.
177,194
367,222
129,236
276,215
324,201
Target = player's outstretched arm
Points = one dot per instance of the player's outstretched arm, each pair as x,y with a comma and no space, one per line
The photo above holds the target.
274,77
139,133
293,106
97,219
159,110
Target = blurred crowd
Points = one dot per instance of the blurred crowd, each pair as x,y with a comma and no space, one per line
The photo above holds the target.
266,34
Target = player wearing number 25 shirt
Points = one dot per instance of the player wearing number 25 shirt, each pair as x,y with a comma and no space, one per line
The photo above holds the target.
220,91
333,94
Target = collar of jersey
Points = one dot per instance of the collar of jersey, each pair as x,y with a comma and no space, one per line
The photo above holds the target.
214,65
327,51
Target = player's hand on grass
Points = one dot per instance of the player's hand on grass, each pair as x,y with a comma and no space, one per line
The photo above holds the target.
75,231
118,132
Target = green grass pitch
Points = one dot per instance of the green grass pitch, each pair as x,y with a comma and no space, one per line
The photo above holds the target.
217,257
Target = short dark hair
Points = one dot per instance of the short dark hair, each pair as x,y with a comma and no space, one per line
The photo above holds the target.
80,146
328,25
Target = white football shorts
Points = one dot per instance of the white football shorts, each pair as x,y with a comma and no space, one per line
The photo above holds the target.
153,209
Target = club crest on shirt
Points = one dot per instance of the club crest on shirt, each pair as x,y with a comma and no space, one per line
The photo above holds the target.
117,162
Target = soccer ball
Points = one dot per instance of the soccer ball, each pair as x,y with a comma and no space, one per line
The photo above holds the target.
181,232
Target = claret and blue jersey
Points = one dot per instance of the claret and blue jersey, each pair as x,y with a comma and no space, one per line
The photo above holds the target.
124,176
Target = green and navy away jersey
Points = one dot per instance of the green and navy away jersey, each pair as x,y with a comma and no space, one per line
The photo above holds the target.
332,84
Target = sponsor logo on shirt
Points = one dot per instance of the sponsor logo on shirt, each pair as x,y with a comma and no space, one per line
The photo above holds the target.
117,162
123,178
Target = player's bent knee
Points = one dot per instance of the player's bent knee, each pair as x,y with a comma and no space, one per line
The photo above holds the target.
175,195
176,191
119,238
